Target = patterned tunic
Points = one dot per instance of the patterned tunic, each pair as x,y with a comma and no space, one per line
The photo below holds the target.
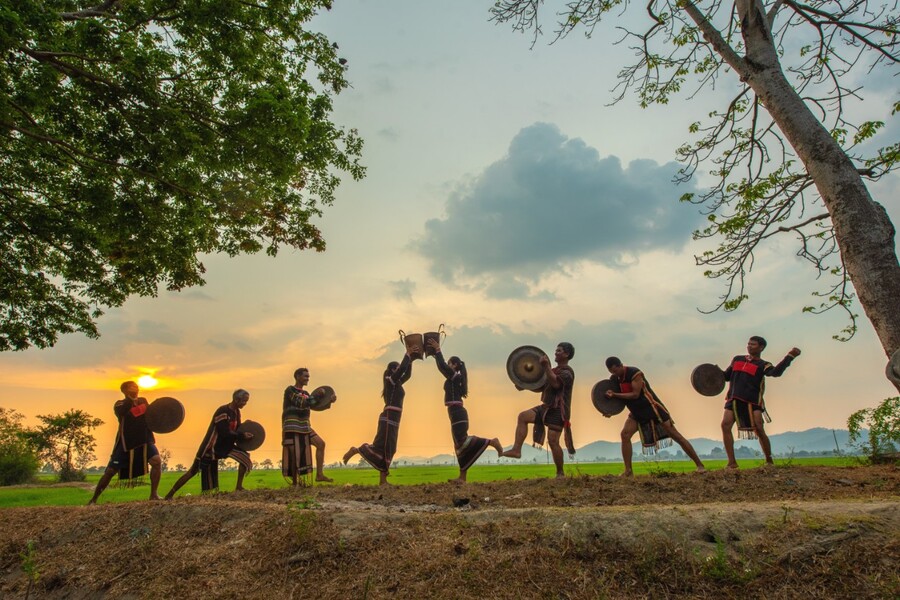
555,409
647,409
747,384
135,443
468,447
296,459
218,443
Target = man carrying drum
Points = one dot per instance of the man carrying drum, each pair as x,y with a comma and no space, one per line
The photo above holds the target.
744,402
218,443
298,436
648,416
553,412
135,445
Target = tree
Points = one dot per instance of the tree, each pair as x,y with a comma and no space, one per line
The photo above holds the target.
135,136
267,464
66,442
788,155
18,458
883,423
165,455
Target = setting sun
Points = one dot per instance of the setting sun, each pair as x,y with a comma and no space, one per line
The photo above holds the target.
147,381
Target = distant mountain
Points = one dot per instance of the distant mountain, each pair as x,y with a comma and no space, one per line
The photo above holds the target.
815,440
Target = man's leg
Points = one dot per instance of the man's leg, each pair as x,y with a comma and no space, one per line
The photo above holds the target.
628,431
728,438
353,451
319,444
382,479
101,485
242,470
525,417
556,451
685,445
764,442
183,479
155,474
496,445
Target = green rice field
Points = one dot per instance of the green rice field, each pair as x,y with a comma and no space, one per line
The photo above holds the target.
45,493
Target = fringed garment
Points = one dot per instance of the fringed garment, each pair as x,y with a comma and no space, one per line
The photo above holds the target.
468,447
219,443
746,389
134,445
381,451
649,412
297,432
555,410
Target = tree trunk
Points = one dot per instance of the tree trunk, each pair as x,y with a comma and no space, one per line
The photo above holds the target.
864,232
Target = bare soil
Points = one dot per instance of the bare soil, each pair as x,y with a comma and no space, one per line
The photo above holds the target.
786,532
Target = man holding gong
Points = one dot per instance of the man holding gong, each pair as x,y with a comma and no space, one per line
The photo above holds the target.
647,416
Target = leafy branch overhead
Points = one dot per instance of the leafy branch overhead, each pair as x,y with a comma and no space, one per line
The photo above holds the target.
135,136
793,142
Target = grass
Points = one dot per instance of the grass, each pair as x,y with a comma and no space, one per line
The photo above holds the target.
45,494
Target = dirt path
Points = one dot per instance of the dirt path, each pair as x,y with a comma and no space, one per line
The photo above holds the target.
811,532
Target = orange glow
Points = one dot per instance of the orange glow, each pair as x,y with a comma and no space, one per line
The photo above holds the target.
147,382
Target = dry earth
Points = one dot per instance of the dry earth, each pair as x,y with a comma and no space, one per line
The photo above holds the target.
787,532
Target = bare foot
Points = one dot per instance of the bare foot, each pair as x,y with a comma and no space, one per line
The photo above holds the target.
385,482
627,474
496,445
321,477
512,453
350,453
457,480
700,469
240,489
730,466
560,475
155,497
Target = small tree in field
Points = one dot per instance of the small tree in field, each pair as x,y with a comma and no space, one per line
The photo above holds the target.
883,422
18,458
66,442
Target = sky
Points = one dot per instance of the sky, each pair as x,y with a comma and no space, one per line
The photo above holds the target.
508,198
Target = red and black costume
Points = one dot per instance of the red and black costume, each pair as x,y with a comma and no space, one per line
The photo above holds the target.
381,451
468,447
747,385
218,443
135,444
555,410
647,409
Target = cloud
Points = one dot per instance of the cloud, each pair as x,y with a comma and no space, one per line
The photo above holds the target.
549,204
154,332
403,289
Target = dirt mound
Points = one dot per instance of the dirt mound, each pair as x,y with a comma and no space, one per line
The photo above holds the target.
788,532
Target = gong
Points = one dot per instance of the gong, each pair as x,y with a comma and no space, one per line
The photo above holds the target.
164,415
525,369
607,406
708,379
259,436
322,398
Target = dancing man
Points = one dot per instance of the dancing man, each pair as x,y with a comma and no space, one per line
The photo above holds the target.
554,411
648,415
135,445
381,451
220,442
744,401
456,387
298,436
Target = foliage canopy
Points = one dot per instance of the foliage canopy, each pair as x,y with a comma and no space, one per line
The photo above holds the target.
136,136
66,441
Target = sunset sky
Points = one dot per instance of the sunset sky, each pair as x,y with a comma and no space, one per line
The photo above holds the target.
506,198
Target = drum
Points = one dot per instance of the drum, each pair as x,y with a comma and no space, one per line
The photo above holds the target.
259,436
604,405
437,336
164,415
525,369
708,379
322,398
413,340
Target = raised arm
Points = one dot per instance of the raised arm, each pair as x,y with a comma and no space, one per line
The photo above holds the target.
779,369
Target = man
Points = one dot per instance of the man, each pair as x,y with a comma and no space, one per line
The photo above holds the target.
220,442
554,411
744,402
134,447
648,415
298,436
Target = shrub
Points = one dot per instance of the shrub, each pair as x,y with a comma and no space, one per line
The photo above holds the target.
18,463
883,422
